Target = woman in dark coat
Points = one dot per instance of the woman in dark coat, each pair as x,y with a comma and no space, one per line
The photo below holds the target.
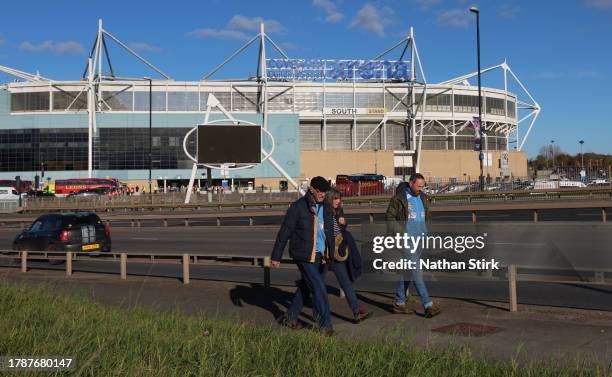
340,251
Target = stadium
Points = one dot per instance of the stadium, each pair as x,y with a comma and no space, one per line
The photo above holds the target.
326,117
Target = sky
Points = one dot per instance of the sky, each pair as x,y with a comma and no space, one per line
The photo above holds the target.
560,50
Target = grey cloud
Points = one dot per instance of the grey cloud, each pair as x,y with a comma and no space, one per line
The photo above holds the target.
143,47
239,22
331,11
369,19
454,18
68,47
599,4
508,10
217,33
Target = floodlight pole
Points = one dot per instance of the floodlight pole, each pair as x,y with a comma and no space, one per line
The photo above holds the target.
150,131
476,11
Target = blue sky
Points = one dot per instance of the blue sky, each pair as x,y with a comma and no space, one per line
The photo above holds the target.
560,49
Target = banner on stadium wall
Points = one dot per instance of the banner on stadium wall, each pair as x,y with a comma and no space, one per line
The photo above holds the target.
477,136
350,111
338,70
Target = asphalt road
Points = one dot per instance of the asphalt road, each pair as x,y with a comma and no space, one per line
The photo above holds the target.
261,218
577,249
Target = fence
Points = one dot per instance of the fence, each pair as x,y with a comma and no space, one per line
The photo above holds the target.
187,260
8,206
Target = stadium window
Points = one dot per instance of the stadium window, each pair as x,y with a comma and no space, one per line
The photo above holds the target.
182,101
75,100
33,101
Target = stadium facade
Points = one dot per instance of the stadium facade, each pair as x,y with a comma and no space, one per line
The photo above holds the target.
325,120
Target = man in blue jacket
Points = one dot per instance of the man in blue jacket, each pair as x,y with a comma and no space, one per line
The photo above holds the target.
304,227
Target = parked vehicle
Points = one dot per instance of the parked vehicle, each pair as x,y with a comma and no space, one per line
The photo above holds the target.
8,193
87,193
75,231
360,184
69,186
25,186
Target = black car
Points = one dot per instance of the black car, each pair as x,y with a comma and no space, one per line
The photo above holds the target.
77,231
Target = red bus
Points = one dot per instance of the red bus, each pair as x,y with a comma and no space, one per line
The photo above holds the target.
360,184
25,185
73,185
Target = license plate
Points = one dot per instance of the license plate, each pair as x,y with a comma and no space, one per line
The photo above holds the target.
91,247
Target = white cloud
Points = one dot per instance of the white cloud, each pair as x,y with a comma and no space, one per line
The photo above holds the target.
508,10
143,47
288,46
238,27
370,19
69,47
426,4
331,11
217,33
599,4
239,22
454,18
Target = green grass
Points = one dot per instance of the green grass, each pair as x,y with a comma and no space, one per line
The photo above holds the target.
137,342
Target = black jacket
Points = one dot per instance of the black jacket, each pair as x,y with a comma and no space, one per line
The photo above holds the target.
299,226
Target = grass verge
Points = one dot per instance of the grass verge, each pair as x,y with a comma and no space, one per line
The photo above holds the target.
138,342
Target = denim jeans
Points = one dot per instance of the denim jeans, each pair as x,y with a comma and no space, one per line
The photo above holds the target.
312,282
417,277
341,272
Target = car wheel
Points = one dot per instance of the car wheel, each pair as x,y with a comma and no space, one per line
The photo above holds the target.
54,261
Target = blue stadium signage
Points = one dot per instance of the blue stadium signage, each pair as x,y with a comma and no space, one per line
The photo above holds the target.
337,70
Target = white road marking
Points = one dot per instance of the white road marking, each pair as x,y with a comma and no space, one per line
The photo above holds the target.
144,238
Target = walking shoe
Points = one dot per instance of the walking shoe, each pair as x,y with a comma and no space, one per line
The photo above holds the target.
292,324
361,315
401,309
432,311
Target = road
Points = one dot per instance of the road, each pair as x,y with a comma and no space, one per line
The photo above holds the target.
261,217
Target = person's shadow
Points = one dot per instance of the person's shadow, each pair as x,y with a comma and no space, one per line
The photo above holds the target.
273,300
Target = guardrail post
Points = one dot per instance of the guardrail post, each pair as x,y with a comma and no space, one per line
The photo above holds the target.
123,263
69,263
218,221
251,221
165,223
186,222
24,261
474,217
267,262
185,269
132,222
535,215
371,218
604,215
512,287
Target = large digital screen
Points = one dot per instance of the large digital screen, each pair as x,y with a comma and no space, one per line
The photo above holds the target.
226,144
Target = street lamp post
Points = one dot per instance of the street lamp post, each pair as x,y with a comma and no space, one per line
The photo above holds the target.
581,155
150,132
552,154
476,11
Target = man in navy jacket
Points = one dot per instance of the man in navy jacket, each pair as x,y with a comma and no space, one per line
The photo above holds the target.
304,228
